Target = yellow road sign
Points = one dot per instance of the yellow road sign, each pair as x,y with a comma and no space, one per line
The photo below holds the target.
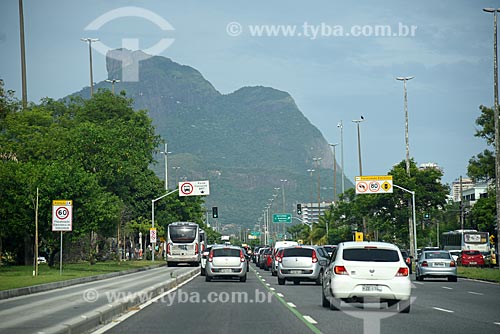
358,236
378,184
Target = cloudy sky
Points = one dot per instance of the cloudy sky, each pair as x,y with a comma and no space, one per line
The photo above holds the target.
338,60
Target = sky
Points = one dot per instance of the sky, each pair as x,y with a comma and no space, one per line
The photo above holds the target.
337,59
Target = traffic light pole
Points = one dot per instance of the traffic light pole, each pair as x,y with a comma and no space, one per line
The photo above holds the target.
153,218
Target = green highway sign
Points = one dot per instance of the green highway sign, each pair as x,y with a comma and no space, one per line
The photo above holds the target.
282,218
255,233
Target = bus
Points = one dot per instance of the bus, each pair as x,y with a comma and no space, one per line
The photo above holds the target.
183,243
466,239
203,241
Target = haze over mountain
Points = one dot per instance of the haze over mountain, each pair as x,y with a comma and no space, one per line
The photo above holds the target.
244,142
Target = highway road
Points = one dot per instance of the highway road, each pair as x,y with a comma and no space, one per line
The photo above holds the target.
220,307
80,307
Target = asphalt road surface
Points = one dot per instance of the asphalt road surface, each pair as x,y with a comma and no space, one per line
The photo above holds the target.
260,305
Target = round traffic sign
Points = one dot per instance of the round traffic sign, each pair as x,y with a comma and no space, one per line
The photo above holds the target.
361,187
374,186
187,188
62,212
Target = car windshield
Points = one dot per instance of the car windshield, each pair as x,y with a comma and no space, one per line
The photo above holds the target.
182,234
299,252
437,255
370,254
226,252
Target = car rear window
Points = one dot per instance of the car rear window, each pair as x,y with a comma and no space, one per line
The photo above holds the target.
370,254
299,252
437,255
471,252
230,252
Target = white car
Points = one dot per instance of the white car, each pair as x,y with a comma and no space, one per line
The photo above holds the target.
367,272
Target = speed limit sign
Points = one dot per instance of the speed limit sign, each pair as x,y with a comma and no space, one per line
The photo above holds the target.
62,215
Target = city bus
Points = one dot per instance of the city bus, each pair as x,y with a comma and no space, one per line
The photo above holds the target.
466,239
183,243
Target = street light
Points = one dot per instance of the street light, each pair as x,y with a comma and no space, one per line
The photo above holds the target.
316,161
340,125
407,141
165,153
176,168
90,40
311,171
357,121
496,115
23,58
334,173
112,81
411,222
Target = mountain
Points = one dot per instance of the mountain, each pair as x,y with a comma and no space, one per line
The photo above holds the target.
244,142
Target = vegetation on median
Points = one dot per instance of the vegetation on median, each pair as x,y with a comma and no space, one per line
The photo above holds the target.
12,277
486,274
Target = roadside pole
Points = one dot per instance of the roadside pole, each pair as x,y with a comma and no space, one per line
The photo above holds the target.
153,219
413,229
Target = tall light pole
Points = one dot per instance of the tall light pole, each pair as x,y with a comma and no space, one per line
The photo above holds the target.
316,162
340,125
311,171
334,174
411,223
175,168
165,153
496,115
407,140
357,121
112,81
90,41
23,56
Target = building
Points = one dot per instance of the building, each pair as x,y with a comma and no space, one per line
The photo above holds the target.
455,189
310,211
471,195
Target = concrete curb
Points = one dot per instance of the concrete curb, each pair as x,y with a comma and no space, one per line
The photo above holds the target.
61,284
105,314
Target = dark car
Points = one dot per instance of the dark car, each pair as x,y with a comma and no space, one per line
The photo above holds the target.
407,259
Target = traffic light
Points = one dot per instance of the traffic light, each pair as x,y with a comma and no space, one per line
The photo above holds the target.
299,209
427,216
215,213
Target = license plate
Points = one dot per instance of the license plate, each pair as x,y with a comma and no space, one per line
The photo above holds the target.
473,263
295,271
226,271
439,264
372,288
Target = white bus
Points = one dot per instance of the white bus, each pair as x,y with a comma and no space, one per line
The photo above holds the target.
183,243
465,240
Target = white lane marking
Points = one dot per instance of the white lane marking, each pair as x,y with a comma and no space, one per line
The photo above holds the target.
131,312
443,309
280,295
272,289
497,323
415,282
310,320
476,293
291,304
263,280
447,288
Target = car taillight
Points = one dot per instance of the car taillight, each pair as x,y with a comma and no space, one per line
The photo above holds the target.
340,270
210,256
425,264
168,249
452,264
196,249
314,257
403,272
242,257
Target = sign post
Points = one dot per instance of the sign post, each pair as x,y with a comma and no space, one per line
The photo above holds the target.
62,216
374,184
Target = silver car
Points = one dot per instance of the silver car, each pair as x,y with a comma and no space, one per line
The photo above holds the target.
226,262
301,263
436,263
